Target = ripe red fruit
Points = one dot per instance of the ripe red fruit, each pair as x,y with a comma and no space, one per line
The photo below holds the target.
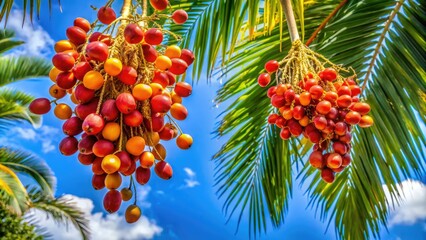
153,36
295,128
93,124
344,101
314,136
323,107
86,143
164,170
63,61
271,91
105,38
316,159
40,106
133,119
333,114
340,148
180,16
133,34
149,53
68,146
98,181
178,67
328,74
264,79
316,92
125,103
298,112
310,83
161,104
334,160
187,56
344,90
86,159
143,175
331,97
340,128
82,23
102,148
109,110
271,66
161,78
106,15
285,133
183,89
97,51
159,5
76,35
289,95
72,126
353,118
128,75
346,160
156,124
83,110
167,133
362,108
83,94
125,160
278,101
112,201
66,80
327,175
80,69
320,122
273,118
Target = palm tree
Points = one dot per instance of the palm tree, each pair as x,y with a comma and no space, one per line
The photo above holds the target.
256,170
14,109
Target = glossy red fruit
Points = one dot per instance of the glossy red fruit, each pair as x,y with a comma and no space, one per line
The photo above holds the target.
340,128
346,160
72,126
76,35
298,112
83,110
143,175
323,107
271,66
295,128
327,175
128,75
320,122
86,143
188,56
161,78
344,101
66,80
106,15
362,108
82,23
331,97
161,104
289,95
285,133
80,69
68,146
352,118
86,159
167,133
131,169
264,79
346,138
159,5
344,90
125,103
133,34
310,83
278,101
333,113
180,16
164,170
153,36
72,53
97,51
112,201
156,124
98,181
125,160
109,110
334,160
83,94
272,119
133,119
340,148
271,91
316,92
314,136
328,74
178,67
102,148
63,61
149,53
183,89
93,124
40,106
316,159
105,38
355,90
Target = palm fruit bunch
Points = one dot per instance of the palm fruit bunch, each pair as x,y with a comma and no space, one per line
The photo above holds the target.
313,100
122,81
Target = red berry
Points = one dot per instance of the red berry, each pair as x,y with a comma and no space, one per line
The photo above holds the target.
264,79
272,66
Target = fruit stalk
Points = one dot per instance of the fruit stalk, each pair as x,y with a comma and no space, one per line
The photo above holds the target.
291,21
125,9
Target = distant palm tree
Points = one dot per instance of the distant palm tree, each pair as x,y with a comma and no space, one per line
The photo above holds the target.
383,40
14,109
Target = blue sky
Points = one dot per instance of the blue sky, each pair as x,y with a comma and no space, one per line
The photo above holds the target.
186,206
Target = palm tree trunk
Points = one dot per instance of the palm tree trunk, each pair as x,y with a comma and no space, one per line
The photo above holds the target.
291,21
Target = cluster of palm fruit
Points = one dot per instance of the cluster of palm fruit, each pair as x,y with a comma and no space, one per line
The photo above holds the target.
123,82
324,108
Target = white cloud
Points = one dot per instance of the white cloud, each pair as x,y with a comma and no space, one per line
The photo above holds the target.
412,207
103,227
47,146
37,41
191,181
25,133
45,135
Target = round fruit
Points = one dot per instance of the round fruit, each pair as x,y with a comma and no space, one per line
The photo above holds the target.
126,161
68,146
97,169
135,145
264,79
111,131
106,15
143,175
83,94
147,159
93,124
112,201
109,110
93,80
183,89
76,35
103,148
128,75
40,106
153,36
133,213
163,63
97,51
328,74
163,170
72,126
149,53
63,111
323,107
366,121
98,181
156,123
113,66
80,70
113,181
178,111
184,141
316,92
66,80
64,45
173,51
159,152
161,104
187,56
327,175
53,74
83,24
125,103
334,160
180,16
133,34
57,92
178,67
63,61
142,92
86,143
353,118
133,119
86,159
126,194
316,159
159,5
362,108
272,66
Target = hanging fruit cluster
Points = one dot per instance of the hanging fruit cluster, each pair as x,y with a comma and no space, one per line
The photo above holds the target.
123,82
317,103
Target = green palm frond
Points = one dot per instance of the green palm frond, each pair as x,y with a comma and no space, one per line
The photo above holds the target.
14,68
22,162
6,40
13,195
33,7
62,210
14,107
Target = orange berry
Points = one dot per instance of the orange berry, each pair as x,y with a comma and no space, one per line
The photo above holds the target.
173,51
142,92
64,45
147,159
157,89
57,92
113,180
63,111
184,141
176,98
73,99
135,145
163,63
159,152
152,138
111,131
178,111
126,194
113,66
53,74
93,80
110,163
133,213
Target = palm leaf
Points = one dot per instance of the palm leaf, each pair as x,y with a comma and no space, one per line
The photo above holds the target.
33,7
6,40
63,210
22,162
13,195
13,68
